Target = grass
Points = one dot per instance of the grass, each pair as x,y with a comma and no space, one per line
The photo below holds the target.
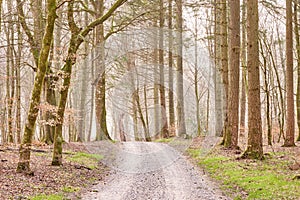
88,160
47,197
165,140
70,189
269,179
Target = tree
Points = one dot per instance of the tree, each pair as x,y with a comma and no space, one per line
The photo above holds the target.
298,65
290,110
254,147
25,147
100,87
77,38
170,63
164,131
231,139
218,67
179,75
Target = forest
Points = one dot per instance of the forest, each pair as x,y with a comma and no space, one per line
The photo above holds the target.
160,99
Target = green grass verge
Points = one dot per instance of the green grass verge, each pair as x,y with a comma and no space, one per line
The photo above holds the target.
47,197
269,179
88,160
164,140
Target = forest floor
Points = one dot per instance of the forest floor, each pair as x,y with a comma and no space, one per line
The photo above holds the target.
156,170
275,177
80,170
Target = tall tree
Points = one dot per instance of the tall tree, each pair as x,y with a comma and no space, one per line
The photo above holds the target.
217,70
224,62
100,88
170,62
164,131
296,11
179,75
254,147
244,69
290,110
25,147
231,140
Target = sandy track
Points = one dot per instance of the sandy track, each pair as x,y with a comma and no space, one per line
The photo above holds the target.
153,171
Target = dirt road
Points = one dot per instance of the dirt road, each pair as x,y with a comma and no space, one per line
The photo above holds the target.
153,171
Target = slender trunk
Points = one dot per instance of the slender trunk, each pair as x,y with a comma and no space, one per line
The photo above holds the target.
171,75
217,69
24,159
267,91
179,75
297,35
164,121
18,84
244,70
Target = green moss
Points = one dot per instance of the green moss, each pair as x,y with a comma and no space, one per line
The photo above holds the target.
267,179
47,197
70,189
88,160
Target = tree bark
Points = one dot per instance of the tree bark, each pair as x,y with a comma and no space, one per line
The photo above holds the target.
298,66
24,159
254,147
181,128
290,110
164,121
234,73
171,74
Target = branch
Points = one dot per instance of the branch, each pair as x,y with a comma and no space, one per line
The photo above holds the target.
99,21
124,26
33,45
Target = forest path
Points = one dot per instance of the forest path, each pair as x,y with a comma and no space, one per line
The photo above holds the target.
152,171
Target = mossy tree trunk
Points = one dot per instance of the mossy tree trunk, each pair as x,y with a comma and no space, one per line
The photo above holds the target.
77,38
25,147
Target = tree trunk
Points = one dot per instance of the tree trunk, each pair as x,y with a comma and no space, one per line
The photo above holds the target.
254,147
102,134
24,159
171,74
181,129
298,66
234,73
164,121
217,70
18,83
244,70
290,110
